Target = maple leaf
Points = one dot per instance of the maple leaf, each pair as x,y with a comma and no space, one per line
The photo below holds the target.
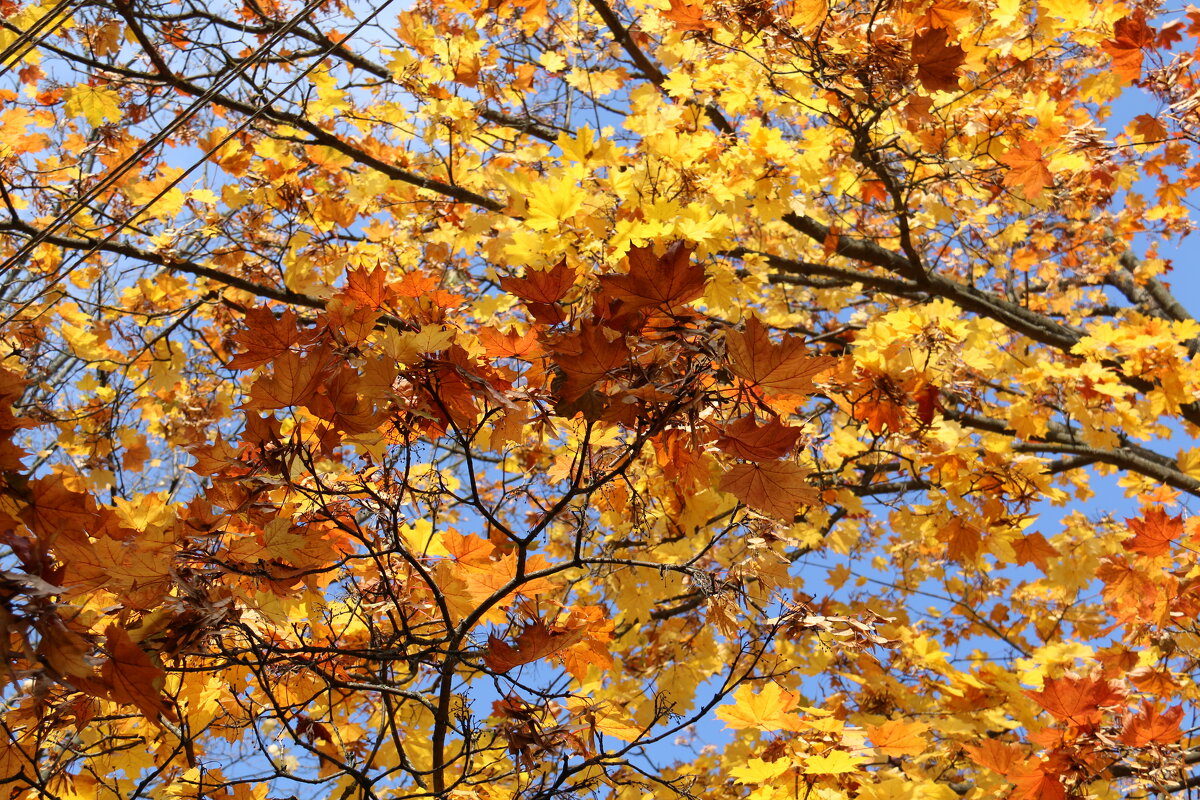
541,290
937,61
588,357
963,540
1034,548
1153,681
1000,757
784,367
266,336
758,771
767,710
1028,169
368,289
535,642
96,104
1131,36
747,440
688,16
131,677
1153,532
510,344
1152,725
807,15
1081,701
777,489
899,738
947,14
668,283
55,510
63,649
1035,780
1149,127
294,379
836,762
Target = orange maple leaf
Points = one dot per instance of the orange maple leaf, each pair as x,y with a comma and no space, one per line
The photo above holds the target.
946,14
749,441
897,737
1152,725
1079,701
368,289
1036,780
1153,532
1131,35
688,16
1028,169
785,367
777,489
63,649
962,539
1034,548
937,61
999,757
55,510
510,344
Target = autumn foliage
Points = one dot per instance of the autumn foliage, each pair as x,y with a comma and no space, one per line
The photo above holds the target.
531,399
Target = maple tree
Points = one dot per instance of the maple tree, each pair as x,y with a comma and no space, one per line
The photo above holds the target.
698,398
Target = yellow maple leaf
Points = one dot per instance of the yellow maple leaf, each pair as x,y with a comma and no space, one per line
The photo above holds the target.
758,771
94,103
836,762
408,346
767,710
551,202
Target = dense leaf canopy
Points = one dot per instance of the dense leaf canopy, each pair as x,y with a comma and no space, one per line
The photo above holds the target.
654,398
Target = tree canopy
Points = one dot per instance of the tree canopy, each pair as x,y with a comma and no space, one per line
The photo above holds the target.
654,398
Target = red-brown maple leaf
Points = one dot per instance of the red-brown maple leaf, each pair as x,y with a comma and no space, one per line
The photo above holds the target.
588,357
668,283
749,441
777,489
131,677
534,642
541,289
292,382
266,336
937,60
785,367
1153,532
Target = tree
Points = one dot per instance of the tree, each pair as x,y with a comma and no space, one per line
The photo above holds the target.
509,399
